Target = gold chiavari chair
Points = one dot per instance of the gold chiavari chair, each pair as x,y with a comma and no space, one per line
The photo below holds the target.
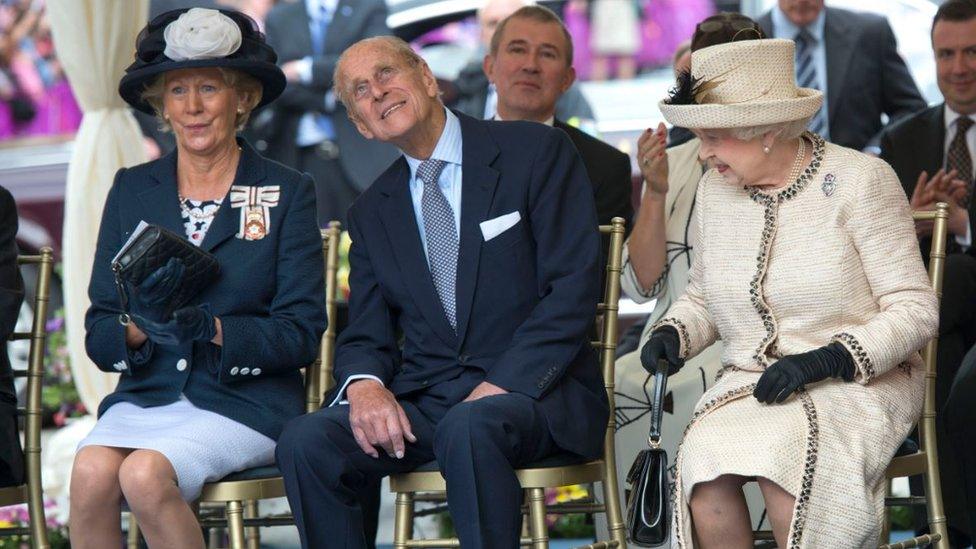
30,492
549,473
925,461
239,492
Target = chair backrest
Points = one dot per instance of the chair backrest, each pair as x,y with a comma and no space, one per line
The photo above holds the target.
35,376
318,377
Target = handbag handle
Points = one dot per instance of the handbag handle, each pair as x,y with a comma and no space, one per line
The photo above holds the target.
657,404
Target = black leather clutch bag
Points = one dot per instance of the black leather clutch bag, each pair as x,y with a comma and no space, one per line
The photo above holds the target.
151,249
648,505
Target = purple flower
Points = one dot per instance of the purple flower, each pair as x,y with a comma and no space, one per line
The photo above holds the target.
55,324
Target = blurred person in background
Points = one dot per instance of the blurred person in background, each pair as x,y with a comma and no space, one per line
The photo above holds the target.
614,38
858,89
307,128
530,63
932,152
477,95
11,297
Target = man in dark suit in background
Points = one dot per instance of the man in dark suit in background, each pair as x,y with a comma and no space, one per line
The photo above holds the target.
922,148
478,97
307,128
530,62
471,301
11,297
853,58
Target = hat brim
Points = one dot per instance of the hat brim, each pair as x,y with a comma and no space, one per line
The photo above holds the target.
272,79
743,115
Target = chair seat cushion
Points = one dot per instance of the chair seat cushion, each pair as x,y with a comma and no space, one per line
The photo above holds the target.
561,459
254,473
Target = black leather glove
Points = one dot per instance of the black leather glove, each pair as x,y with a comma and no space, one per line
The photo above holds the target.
186,325
152,297
664,343
789,373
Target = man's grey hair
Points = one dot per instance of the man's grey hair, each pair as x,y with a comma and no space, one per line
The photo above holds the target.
395,45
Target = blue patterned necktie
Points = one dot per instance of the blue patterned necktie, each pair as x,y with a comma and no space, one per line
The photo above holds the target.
806,75
441,234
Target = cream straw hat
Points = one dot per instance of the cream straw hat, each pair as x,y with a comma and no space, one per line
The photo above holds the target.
741,84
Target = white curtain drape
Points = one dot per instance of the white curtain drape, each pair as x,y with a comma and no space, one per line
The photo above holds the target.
94,40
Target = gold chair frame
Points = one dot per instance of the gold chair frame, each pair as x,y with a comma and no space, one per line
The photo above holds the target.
31,492
240,497
926,460
535,481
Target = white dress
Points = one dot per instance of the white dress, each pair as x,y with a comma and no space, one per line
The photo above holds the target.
201,445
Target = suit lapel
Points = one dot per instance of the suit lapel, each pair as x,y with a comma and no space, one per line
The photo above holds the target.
477,191
250,172
161,200
400,222
839,41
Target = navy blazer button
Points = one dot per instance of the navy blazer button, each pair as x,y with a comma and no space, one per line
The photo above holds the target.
245,370
234,370
464,358
181,364
424,382
255,371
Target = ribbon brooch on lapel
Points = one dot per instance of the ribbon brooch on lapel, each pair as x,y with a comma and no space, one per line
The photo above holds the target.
255,204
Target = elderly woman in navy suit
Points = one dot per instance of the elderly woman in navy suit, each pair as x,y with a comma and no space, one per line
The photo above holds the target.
204,391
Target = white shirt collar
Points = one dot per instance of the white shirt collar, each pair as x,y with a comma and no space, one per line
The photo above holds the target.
784,28
951,116
448,146
548,122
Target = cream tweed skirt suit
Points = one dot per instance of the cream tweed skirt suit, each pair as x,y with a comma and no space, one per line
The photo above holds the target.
831,257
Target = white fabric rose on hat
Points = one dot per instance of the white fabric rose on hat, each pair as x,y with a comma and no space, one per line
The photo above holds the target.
201,33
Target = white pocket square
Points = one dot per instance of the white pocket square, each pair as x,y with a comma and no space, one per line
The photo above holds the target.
494,227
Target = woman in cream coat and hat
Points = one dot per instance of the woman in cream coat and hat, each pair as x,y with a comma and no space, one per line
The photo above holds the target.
808,270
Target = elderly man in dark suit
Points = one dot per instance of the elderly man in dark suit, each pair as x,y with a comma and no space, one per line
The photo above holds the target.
11,297
859,88
308,128
531,63
470,305
932,152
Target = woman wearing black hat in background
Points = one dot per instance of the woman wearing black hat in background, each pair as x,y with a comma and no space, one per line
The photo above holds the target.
204,390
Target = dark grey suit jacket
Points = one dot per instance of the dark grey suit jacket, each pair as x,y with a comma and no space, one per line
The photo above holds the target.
288,33
865,76
11,297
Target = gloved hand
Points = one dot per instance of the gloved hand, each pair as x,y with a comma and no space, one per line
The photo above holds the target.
664,343
789,373
186,325
152,296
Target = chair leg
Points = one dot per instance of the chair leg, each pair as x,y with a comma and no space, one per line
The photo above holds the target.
235,524
402,520
537,518
252,533
611,500
132,542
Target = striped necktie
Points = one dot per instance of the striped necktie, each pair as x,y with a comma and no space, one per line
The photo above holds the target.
441,234
959,158
807,76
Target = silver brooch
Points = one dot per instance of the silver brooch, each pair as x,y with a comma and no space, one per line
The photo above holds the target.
829,184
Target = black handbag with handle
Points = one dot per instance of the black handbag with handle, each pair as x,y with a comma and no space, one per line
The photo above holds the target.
150,250
648,506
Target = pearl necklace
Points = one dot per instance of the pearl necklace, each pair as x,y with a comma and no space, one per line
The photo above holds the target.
797,162
194,215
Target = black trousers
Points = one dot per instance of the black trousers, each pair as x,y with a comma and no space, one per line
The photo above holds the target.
477,444
957,334
334,192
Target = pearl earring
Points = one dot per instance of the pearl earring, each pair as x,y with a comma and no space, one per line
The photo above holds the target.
766,149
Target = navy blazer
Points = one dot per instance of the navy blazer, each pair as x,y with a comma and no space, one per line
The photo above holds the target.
270,300
526,299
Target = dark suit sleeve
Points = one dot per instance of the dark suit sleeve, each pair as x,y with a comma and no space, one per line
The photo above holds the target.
104,336
288,337
367,346
888,153
613,196
900,95
11,285
562,218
